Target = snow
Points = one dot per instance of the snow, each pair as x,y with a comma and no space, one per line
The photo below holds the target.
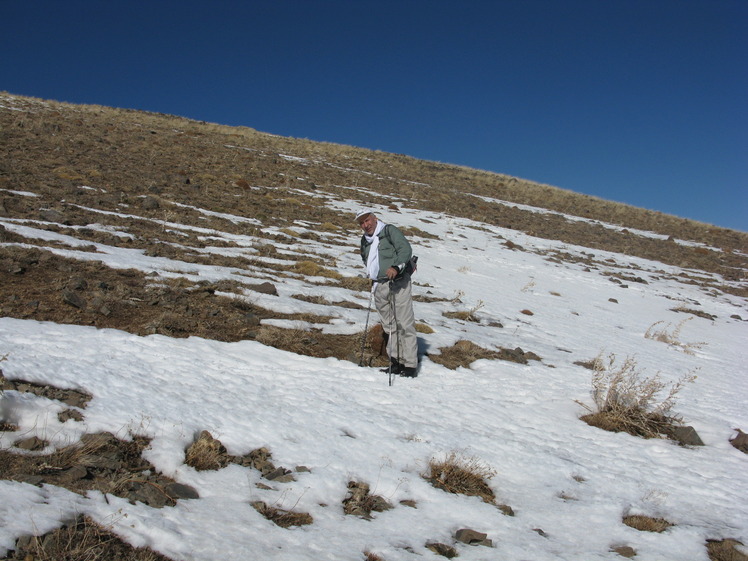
344,422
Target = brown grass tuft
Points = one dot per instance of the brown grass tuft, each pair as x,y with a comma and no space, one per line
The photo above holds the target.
81,540
725,550
461,475
646,523
206,453
281,517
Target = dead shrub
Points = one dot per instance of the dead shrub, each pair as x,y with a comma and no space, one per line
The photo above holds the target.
646,523
725,550
624,401
672,338
281,517
461,475
81,540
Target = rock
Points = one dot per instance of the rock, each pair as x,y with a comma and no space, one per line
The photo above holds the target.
442,549
624,551
360,503
265,288
50,215
740,441
181,491
146,493
151,203
70,414
472,537
75,300
687,436
108,461
33,443
280,475
78,283
75,473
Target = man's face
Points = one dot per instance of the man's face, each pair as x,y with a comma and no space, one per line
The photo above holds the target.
368,224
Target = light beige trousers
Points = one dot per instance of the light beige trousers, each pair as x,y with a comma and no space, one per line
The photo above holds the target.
394,302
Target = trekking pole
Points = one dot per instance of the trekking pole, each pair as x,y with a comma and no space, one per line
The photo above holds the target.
398,346
392,309
366,329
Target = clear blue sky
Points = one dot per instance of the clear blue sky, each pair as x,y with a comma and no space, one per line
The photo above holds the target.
640,101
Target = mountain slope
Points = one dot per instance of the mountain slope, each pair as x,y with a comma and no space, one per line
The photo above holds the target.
189,277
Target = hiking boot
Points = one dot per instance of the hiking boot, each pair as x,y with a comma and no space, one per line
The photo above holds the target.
395,367
409,372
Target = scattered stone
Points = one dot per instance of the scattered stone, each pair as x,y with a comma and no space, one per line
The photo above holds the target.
740,441
32,444
540,532
687,436
624,551
181,491
50,215
409,503
506,510
151,203
74,474
613,300
280,475
442,549
265,288
74,299
472,537
360,502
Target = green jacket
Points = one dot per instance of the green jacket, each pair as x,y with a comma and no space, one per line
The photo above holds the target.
394,250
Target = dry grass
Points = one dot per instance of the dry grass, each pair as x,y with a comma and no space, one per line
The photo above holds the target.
82,540
466,315
672,336
463,353
206,453
647,523
725,550
461,475
281,517
625,401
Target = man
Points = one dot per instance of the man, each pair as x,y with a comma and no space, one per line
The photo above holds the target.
387,255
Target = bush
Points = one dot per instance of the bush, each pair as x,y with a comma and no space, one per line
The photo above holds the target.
625,401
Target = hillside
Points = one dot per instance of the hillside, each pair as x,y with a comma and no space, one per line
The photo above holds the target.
162,277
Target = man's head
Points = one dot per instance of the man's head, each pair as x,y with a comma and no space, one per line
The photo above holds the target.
367,220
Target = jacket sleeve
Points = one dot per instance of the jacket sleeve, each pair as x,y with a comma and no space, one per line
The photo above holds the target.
403,251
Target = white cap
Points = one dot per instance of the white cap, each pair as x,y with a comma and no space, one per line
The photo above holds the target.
363,212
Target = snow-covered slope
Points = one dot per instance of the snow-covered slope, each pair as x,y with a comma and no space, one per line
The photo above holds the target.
569,484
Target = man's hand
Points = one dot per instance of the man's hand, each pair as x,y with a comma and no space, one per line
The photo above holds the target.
392,273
